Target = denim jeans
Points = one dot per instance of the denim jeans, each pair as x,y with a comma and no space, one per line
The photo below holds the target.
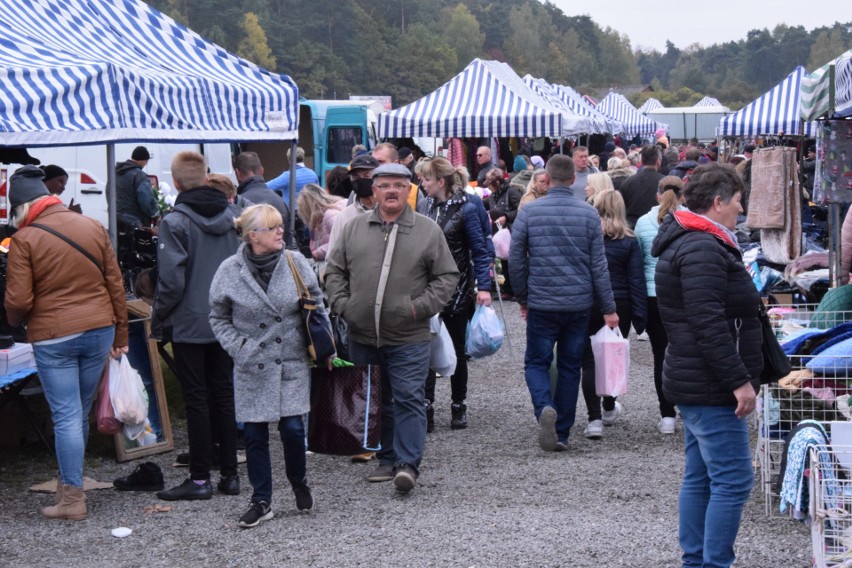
717,481
292,430
205,372
404,370
69,373
139,358
566,330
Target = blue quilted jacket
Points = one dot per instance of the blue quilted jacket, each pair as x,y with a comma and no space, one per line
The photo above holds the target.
557,262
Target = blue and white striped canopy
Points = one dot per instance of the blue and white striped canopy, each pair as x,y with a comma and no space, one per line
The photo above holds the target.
815,89
651,104
96,71
635,123
572,122
574,101
487,99
708,102
774,112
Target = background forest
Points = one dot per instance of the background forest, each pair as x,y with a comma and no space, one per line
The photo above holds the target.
406,49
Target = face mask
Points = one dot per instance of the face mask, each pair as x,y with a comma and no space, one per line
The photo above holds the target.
363,187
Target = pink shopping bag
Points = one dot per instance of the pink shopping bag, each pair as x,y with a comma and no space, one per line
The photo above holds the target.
612,361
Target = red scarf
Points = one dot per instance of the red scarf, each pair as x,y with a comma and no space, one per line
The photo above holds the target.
38,207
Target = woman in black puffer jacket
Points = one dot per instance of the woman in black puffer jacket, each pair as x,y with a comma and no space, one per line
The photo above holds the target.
709,307
627,277
502,206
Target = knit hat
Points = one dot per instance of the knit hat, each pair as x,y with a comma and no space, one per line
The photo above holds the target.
140,154
25,185
404,153
537,161
609,147
519,164
52,172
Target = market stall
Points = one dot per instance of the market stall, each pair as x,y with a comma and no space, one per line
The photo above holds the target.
635,123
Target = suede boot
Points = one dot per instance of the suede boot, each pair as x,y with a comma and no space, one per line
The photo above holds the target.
72,506
59,489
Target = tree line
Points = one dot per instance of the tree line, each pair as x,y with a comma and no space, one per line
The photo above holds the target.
407,48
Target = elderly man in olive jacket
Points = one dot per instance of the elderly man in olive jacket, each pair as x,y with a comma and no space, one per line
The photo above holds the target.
390,272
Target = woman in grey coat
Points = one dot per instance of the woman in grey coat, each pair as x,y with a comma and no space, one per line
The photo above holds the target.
255,314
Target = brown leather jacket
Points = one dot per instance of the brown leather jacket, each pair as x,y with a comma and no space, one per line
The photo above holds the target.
57,290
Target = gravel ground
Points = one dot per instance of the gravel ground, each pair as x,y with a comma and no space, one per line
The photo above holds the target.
487,496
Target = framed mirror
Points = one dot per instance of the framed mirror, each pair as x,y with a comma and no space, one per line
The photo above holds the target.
156,436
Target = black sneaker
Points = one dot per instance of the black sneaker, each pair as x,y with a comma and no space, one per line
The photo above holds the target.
229,485
384,472
189,490
404,478
146,477
257,513
459,413
304,499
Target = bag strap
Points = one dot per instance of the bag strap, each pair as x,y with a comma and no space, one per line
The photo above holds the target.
83,251
297,278
383,277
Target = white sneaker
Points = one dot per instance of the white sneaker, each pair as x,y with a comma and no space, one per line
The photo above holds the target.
667,425
610,416
594,430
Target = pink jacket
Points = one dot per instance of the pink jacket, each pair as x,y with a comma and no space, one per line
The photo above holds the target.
320,236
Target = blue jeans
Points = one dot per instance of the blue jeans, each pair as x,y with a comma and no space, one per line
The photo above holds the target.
404,370
717,482
292,430
70,372
566,330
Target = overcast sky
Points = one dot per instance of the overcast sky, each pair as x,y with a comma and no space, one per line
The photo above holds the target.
704,22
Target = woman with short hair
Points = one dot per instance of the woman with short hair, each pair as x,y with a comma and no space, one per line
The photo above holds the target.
256,317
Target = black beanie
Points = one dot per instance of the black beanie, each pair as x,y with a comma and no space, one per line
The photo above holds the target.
52,171
25,185
140,154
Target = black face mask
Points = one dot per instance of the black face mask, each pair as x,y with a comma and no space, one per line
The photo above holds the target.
363,187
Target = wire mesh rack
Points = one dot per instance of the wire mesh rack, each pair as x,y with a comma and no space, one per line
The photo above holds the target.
817,389
830,507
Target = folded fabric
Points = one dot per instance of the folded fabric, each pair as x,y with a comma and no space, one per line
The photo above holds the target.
835,308
834,358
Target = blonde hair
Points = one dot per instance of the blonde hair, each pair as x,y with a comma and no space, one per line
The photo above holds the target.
440,168
531,184
257,217
189,170
600,183
223,184
23,210
610,206
670,190
312,204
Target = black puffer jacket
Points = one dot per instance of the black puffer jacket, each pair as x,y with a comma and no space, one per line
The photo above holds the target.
504,203
627,276
704,294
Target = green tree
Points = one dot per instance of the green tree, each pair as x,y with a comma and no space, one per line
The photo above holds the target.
423,63
827,46
253,46
524,47
463,34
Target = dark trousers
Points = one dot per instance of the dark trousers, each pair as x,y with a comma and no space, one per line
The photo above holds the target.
457,328
659,342
206,370
593,401
292,430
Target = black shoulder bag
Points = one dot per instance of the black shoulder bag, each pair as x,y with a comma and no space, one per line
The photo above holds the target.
776,364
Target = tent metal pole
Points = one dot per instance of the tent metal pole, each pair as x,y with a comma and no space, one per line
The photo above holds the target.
291,236
110,196
834,225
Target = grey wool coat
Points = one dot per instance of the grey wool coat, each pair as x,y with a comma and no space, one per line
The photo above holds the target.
264,334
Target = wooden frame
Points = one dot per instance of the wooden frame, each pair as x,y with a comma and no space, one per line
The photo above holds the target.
123,451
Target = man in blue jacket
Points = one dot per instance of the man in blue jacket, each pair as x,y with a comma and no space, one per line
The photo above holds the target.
558,269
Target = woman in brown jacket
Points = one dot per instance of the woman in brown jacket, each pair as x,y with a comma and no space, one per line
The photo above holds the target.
74,304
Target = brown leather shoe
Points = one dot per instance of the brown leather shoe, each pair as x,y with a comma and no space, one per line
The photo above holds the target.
363,458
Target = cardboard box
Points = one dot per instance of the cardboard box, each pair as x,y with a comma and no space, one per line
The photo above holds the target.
19,356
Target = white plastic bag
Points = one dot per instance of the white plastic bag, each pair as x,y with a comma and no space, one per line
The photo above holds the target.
442,353
484,333
502,240
612,361
127,393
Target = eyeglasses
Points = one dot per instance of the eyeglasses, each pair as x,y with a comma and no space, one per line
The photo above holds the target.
396,186
265,229
480,155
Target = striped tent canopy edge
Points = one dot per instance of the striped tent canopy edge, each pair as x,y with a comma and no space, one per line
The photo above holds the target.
815,89
573,122
773,113
486,99
708,102
577,103
651,104
635,123
120,70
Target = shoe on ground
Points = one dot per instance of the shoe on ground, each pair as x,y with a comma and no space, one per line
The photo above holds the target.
384,472
594,430
189,490
459,413
667,425
362,458
146,477
257,513
547,429
404,478
229,485
610,416
430,418
304,499
561,446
